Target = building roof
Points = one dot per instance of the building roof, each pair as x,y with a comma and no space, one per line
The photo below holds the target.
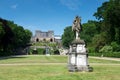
57,37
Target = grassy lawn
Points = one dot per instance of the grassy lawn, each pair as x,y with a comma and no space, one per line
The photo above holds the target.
55,72
35,59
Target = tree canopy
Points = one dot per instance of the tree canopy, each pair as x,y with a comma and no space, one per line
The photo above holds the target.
12,36
109,14
68,36
102,32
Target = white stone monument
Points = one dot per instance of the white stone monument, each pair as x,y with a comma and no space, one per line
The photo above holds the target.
78,56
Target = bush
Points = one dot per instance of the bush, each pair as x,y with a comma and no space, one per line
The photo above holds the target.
56,52
7,53
95,54
41,51
115,46
106,49
91,49
30,51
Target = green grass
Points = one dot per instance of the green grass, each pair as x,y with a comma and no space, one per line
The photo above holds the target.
91,60
35,59
55,72
47,59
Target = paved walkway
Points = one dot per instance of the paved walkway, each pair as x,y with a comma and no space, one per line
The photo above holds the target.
106,58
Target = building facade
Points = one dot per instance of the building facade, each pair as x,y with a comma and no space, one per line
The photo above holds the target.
43,36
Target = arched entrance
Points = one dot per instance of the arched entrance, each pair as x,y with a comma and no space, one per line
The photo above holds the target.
51,40
37,40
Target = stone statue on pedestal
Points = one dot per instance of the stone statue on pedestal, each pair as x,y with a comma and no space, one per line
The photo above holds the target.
78,56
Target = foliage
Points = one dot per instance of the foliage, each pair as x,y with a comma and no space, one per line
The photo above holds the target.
67,36
91,49
1,31
89,30
54,45
41,51
105,31
7,37
56,52
12,37
109,14
115,46
106,49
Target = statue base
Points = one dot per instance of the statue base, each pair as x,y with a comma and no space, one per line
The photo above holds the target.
78,57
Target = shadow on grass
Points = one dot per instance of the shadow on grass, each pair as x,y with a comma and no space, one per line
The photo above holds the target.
13,57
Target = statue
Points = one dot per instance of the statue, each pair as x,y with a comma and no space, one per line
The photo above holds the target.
78,55
76,27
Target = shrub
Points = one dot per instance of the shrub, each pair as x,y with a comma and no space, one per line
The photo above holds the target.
91,49
106,49
41,51
56,52
95,54
115,46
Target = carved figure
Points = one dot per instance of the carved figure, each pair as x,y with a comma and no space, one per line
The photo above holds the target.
76,27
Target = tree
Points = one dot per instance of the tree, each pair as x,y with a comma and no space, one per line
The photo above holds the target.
2,32
7,38
109,14
89,30
28,35
98,41
106,49
67,36
12,36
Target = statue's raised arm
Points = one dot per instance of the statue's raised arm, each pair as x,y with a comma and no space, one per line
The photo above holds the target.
76,27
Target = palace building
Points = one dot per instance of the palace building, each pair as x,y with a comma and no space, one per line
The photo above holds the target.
48,36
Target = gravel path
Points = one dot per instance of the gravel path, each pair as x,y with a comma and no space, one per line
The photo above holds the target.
22,64
106,58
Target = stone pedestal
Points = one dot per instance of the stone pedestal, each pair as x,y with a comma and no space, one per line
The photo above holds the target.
78,56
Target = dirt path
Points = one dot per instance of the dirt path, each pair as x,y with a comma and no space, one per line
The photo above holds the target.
20,64
27,64
106,58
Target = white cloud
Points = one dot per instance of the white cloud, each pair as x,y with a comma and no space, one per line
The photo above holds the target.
71,4
14,6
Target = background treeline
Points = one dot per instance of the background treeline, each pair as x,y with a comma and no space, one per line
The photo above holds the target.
12,37
103,35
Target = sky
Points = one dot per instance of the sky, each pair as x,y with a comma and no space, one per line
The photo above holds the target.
47,15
